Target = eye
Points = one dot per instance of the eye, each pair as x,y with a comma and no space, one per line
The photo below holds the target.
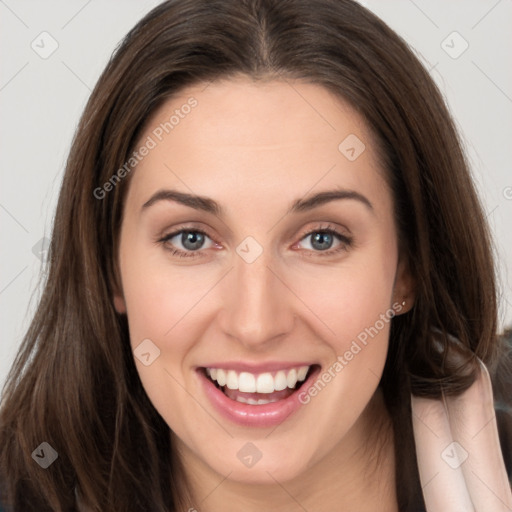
191,240
323,238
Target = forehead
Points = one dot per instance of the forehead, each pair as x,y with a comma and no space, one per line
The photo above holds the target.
240,137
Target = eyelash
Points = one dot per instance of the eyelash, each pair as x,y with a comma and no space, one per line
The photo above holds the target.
345,240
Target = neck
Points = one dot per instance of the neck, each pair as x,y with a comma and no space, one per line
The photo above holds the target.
363,481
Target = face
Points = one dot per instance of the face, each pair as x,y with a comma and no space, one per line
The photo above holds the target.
259,268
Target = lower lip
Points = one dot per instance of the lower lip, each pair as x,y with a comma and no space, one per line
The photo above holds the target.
266,415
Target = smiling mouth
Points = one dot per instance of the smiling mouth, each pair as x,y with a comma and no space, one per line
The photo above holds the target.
259,389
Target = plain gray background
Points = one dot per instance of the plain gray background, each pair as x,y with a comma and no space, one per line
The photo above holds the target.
42,97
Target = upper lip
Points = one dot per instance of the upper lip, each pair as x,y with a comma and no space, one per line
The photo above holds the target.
269,366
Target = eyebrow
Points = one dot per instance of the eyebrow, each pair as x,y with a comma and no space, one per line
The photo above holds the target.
209,205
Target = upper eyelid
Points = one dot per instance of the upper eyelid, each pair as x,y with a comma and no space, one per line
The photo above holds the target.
174,232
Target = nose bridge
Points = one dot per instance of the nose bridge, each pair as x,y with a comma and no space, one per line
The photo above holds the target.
257,308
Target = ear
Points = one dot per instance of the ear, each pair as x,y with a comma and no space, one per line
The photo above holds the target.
404,290
117,287
119,303
118,299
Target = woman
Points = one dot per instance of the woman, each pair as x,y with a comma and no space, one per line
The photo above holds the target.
261,252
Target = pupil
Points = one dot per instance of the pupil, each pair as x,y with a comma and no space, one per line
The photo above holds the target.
320,237
192,240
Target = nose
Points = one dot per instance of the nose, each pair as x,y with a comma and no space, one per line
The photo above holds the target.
258,306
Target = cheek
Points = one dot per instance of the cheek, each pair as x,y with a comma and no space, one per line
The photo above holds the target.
350,297
160,304
159,296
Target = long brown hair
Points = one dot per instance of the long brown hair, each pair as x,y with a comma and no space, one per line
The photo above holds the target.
74,384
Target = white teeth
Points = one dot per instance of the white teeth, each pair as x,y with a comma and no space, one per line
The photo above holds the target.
221,377
265,383
301,373
280,381
247,382
262,383
291,378
251,401
232,380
